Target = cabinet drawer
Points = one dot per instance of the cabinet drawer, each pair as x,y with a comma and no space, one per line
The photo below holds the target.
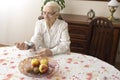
78,36
79,43
78,50
77,29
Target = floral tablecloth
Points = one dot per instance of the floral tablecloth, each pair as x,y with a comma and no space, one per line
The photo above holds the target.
71,67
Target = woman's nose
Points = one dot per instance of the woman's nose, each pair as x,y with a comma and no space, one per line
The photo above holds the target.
46,15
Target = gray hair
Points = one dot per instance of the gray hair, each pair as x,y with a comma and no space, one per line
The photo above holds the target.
53,4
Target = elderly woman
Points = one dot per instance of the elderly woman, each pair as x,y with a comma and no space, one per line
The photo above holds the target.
51,34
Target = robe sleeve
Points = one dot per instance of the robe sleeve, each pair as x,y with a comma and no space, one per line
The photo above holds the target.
37,37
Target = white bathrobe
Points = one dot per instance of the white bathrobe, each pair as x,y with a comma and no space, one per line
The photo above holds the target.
56,38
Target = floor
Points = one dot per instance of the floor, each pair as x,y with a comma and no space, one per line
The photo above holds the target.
117,64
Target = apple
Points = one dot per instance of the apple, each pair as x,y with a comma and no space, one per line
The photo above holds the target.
29,69
35,62
36,70
43,68
44,61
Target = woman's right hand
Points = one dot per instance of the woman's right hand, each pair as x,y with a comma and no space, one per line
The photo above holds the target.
44,52
21,46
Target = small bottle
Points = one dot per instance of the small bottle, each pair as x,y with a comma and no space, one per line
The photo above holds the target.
91,14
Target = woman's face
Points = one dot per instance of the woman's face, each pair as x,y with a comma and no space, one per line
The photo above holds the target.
49,13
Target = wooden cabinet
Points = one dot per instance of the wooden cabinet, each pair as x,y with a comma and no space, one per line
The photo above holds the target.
79,37
80,32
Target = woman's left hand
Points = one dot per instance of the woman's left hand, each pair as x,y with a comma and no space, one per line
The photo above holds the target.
44,52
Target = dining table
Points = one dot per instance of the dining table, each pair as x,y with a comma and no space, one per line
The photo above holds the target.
70,66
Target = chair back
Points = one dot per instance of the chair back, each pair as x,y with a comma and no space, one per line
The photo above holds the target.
101,38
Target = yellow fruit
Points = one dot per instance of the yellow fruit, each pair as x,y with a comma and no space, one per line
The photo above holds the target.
44,61
43,68
35,62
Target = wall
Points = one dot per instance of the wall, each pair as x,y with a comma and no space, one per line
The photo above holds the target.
17,17
82,7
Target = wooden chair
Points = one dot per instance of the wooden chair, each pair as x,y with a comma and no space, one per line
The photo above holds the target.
102,39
